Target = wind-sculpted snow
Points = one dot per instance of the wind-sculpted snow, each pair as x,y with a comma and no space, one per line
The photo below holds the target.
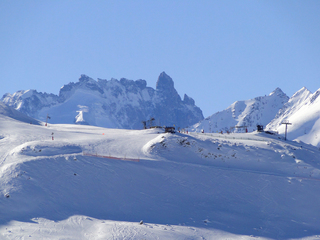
184,186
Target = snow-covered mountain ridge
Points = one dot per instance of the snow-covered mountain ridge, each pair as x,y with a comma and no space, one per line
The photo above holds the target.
302,110
116,104
248,114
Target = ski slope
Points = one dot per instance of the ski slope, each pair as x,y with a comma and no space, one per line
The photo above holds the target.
182,186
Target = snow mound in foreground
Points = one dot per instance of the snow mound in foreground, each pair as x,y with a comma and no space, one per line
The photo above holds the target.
47,148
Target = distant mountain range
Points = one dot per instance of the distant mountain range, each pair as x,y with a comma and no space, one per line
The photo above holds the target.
113,104
127,103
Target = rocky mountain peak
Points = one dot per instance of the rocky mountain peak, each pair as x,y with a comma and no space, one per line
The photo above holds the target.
277,92
188,100
299,96
142,84
164,82
85,82
85,78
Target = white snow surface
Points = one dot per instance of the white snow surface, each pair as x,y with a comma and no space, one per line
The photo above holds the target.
83,182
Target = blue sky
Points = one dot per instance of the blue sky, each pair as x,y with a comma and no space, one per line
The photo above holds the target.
217,52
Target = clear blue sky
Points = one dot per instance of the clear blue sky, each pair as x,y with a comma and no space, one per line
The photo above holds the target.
217,52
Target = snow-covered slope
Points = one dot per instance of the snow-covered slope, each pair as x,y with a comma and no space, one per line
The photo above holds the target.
260,110
303,111
85,182
113,103
12,113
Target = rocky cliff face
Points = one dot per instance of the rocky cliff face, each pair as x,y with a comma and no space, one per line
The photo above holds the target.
110,103
170,108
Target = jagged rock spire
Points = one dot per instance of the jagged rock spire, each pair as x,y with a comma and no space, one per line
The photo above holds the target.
164,82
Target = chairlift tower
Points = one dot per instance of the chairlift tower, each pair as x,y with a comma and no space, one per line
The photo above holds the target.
286,122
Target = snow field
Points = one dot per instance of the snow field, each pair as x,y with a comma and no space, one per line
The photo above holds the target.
196,186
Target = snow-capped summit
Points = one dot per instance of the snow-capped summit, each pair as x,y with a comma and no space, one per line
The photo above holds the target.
246,114
85,83
109,103
188,100
298,100
277,92
164,82
165,90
